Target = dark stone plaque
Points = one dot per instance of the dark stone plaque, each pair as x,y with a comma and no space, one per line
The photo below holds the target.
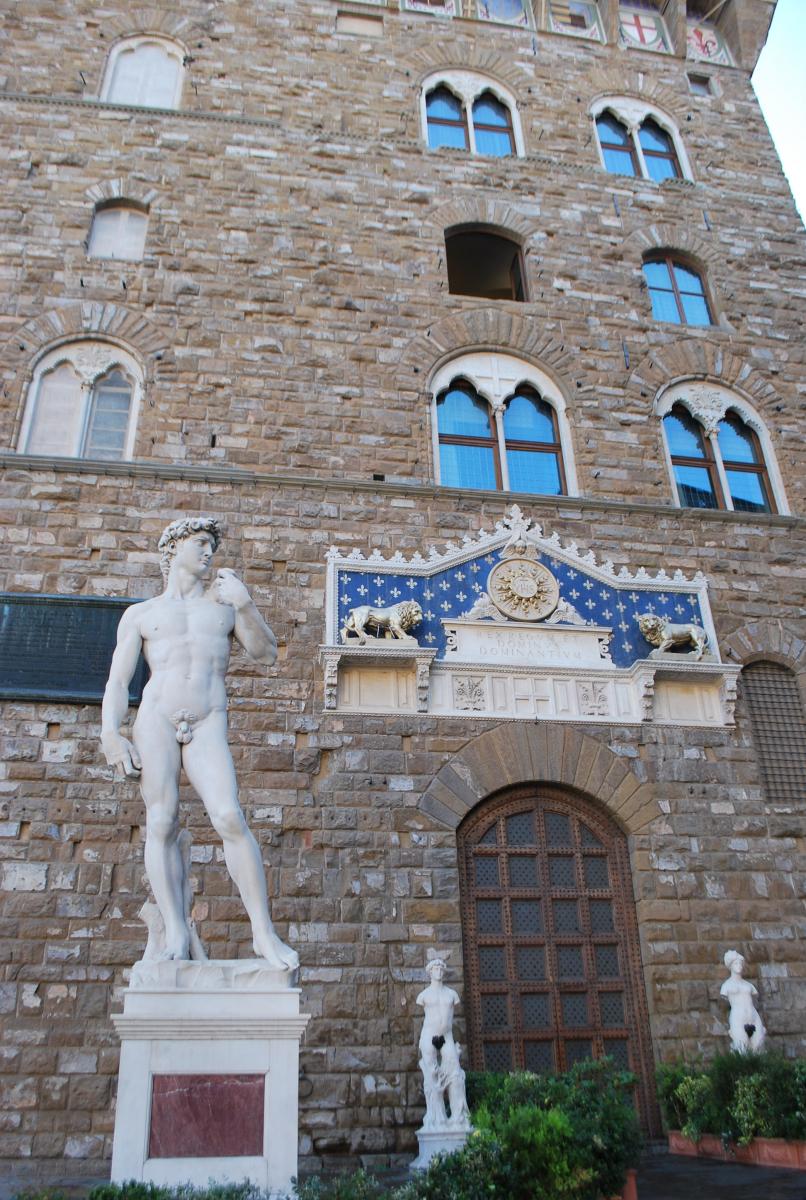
60,647
206,1116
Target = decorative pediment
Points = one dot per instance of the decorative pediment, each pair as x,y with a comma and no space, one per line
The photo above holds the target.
519,623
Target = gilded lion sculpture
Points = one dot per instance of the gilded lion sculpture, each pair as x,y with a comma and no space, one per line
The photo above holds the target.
394,622
663,634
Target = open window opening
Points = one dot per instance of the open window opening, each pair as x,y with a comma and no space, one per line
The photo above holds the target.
484,264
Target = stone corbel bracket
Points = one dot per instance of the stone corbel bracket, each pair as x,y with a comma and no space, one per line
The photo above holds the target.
381,655
674,669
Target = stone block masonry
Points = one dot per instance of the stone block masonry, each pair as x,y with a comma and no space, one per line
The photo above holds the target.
291,304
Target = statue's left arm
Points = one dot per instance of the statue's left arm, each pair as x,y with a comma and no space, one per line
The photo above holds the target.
250,629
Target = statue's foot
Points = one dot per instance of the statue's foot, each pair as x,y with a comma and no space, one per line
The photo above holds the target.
177,946
275,952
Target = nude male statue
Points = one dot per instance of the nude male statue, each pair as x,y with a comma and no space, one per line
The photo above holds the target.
186,635
439,1054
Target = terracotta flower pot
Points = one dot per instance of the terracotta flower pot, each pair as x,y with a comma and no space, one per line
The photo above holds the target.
767,1152
777,1152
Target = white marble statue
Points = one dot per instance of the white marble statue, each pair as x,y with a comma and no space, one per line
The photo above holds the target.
186,635
439,1055
746,1030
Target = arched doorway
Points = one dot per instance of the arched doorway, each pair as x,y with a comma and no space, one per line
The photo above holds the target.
552,960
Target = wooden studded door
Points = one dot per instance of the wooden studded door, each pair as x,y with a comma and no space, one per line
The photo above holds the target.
552,959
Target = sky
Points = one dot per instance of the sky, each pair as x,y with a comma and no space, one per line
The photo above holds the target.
780,83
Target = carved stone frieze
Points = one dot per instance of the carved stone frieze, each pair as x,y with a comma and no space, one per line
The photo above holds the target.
469,693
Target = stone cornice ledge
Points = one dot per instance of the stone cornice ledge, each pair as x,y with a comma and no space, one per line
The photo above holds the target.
144,469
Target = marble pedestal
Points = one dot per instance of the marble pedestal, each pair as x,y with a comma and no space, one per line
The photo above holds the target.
209,1069
437,1141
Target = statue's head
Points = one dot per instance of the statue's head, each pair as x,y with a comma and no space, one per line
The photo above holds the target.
180,529
734,961
436,968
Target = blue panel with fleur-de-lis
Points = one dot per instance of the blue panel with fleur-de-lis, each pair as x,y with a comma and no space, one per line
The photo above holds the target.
451,590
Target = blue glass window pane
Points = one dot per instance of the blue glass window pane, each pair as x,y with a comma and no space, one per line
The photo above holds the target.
495,144
652,137
528,420
619,162
696,310
463,414
736,441
446,135
467,466
660,168
688,281
533,471
611,130
657,274
664,306
442,103
489,111
747,491
683,437
694,487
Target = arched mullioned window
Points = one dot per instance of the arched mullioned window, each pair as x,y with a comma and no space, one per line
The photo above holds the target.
144,71
466,111
82,403
778,722
500,425
551,953
639,140
719,451
677,291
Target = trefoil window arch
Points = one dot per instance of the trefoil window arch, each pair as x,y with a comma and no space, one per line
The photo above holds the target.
500,424
118,231
82,403
467,111
144,71
639,140
718,451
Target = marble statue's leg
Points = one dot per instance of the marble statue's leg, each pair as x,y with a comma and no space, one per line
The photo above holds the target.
208,765
155,739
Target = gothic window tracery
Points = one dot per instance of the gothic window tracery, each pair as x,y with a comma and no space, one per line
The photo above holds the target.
639,140
500,425
82,403
719,453
145,72
466,111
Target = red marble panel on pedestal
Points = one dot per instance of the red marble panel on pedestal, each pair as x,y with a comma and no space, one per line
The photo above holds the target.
206,1116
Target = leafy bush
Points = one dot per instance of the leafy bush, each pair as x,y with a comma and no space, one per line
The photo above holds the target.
738,1097
357,1186
597,1100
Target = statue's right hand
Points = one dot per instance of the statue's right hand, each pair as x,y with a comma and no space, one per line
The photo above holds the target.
121,754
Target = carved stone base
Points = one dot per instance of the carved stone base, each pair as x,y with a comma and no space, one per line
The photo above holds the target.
208,1075
438,1141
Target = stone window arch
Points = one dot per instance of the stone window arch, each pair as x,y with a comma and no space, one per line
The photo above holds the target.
500,423
469,111
82,402
118,230
144,71
718,450
773,697
551,953
636,137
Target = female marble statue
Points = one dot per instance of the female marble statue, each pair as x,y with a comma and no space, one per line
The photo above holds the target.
744,1023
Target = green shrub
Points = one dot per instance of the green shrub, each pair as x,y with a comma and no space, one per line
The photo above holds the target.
136,1190
738,1097
356,1186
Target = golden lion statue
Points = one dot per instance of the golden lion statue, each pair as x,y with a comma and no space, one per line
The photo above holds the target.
394,622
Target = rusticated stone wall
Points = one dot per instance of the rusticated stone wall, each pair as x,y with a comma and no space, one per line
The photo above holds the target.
290,307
